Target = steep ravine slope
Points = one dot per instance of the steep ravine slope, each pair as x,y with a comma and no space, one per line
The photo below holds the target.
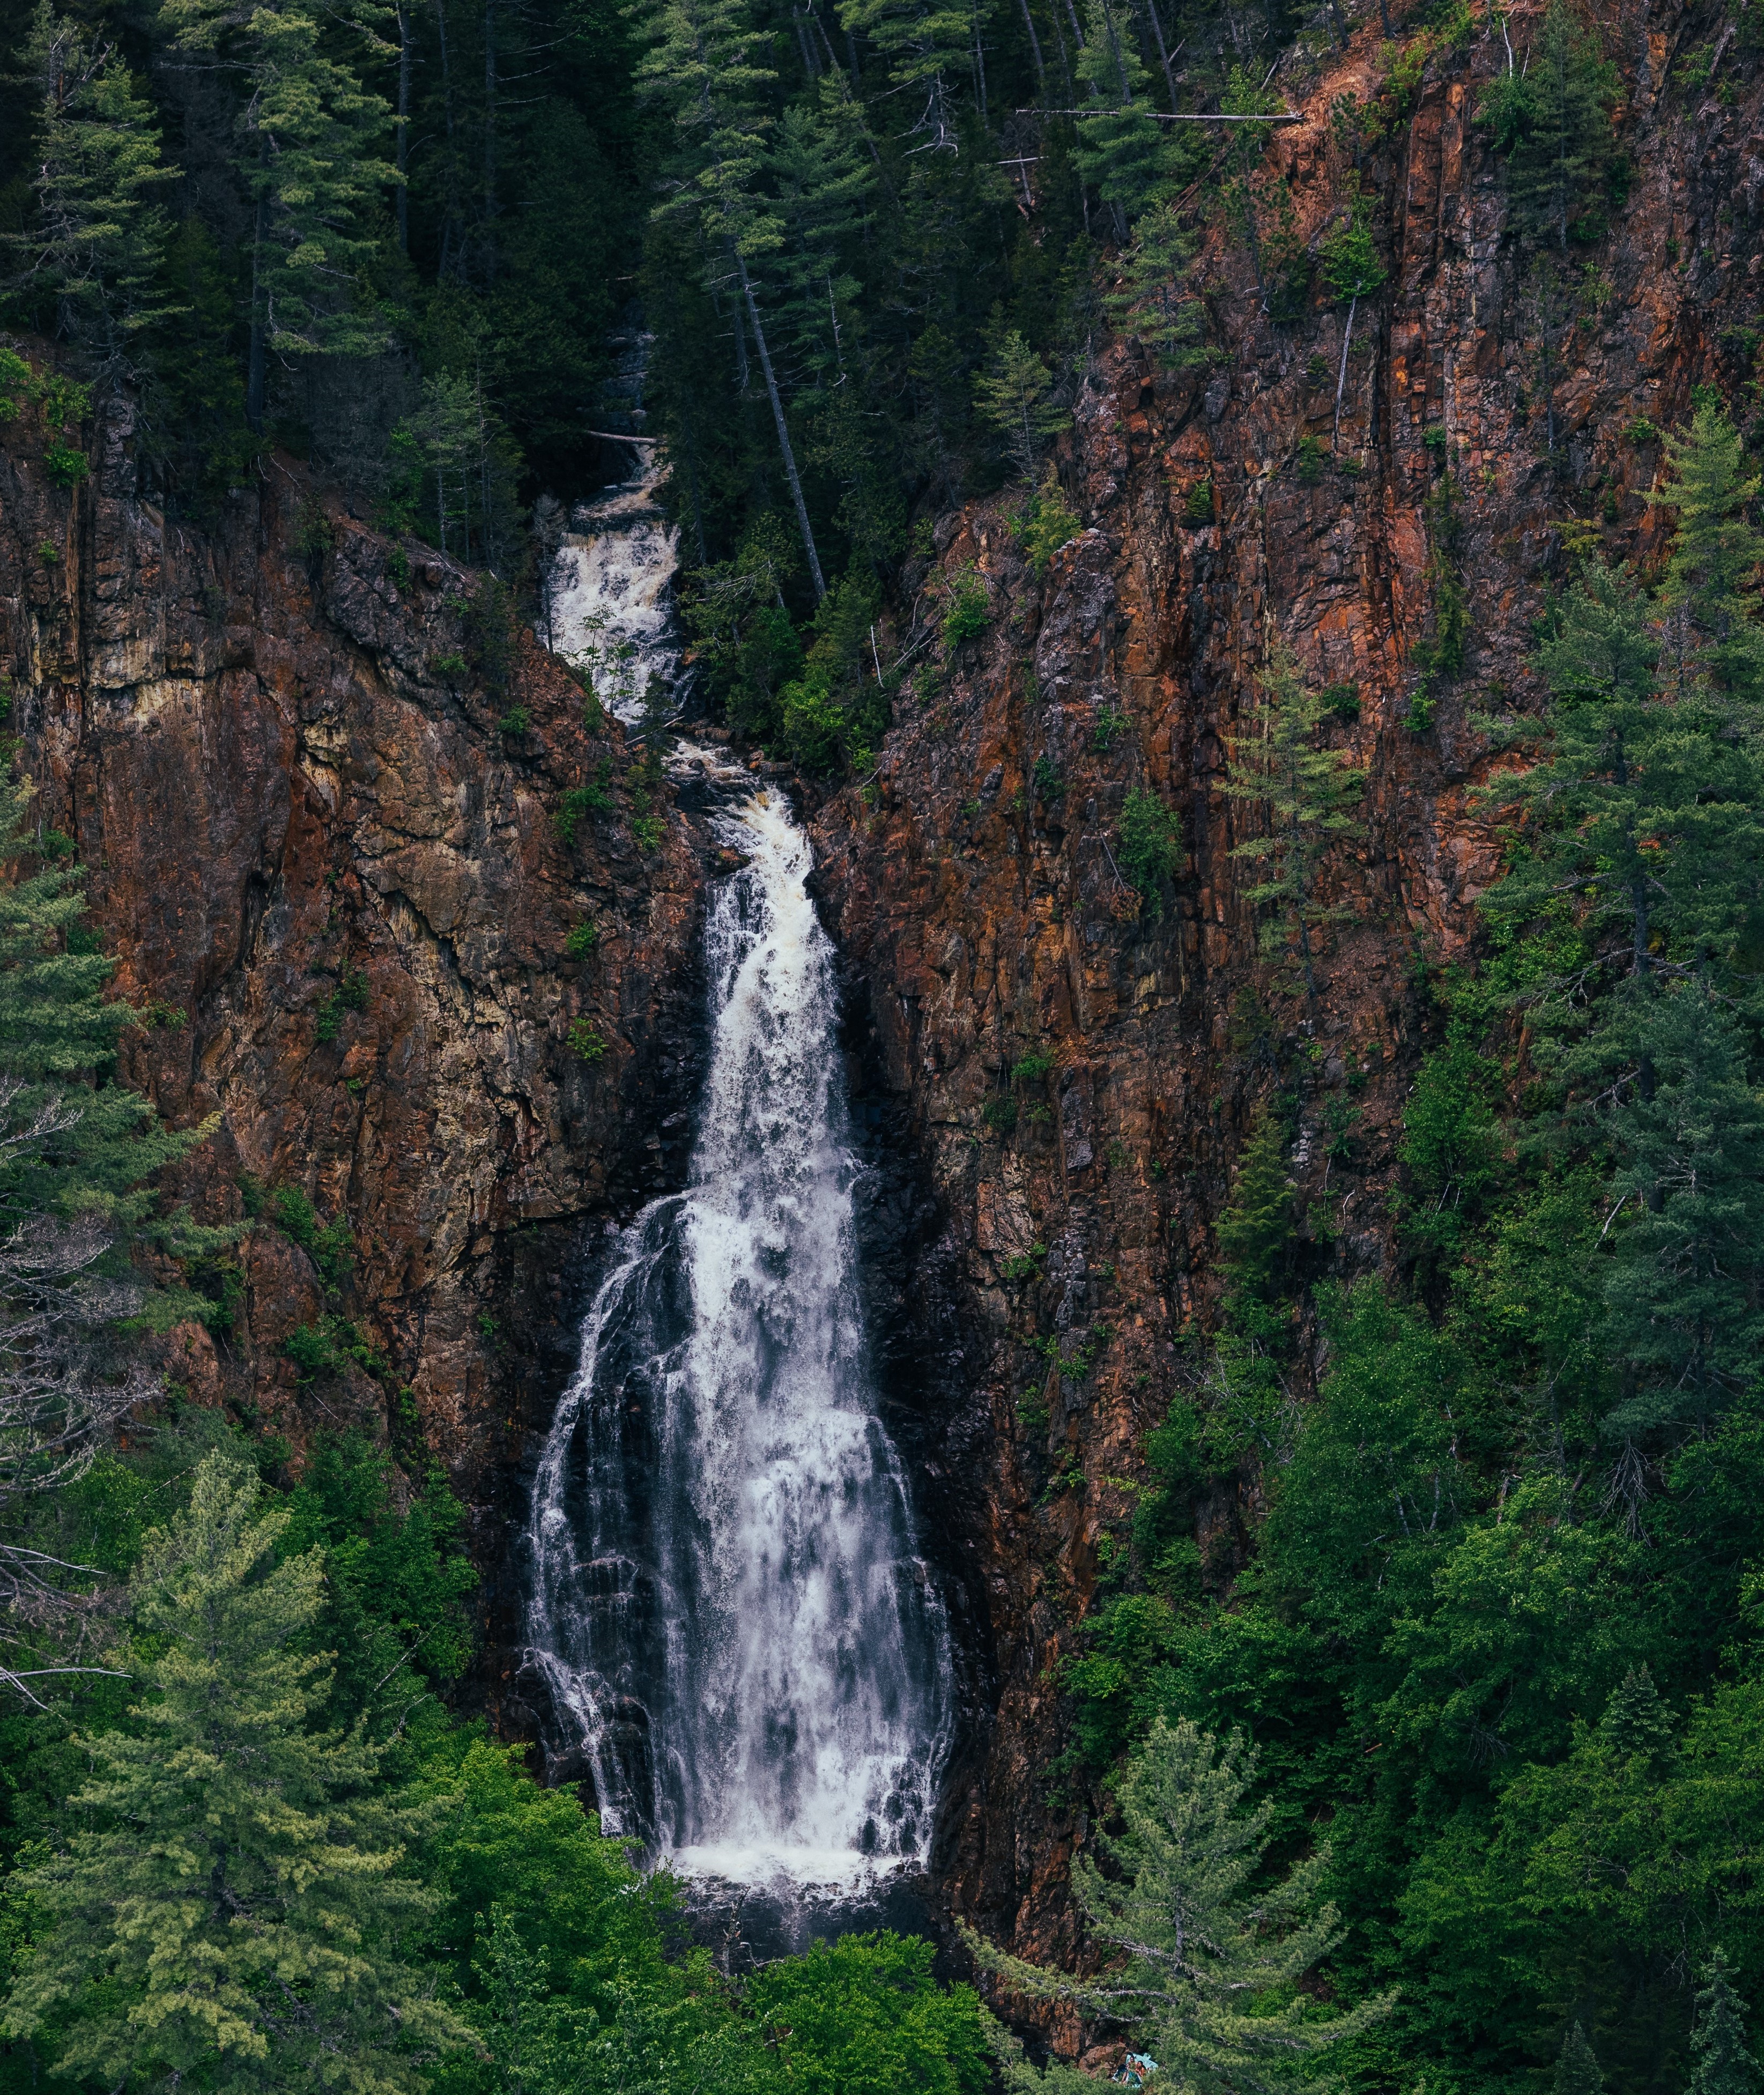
982,916
335,881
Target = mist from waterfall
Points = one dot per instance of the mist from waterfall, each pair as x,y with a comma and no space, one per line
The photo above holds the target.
740,1638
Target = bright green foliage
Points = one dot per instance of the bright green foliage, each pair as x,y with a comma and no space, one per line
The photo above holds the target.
1158,301
1305,793
1210,1980
76,1145
1352,267
1049,522
240,1905
1450,1147
95,249
1121,148
396,1582
1710,594
1723,2065
1552,122
864,2016
1151,847
1013,394
1255,1229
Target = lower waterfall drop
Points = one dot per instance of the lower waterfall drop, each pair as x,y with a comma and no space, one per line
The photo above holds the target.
743,1650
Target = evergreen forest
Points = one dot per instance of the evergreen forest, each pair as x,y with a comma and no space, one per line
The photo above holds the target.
1440,1765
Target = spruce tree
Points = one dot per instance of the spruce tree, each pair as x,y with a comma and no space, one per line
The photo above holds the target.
1014,395
1577,2070
96,247
825,181
1158,299
1634,1725
931,46
1721,2064
238,1909
1710,593
1306,792
704,65
309,157
1210,1959
1121,148
1684,1287
1551,121
1255,1230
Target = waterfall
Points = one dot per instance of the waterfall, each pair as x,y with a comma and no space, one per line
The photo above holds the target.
740,1640
610,590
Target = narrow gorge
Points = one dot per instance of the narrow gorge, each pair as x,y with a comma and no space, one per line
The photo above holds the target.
794,1186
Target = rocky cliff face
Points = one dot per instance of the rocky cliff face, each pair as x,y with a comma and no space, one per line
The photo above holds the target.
320,809
317,790
975,890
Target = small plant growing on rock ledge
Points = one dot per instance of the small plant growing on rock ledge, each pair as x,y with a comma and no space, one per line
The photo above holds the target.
1309,460
582,939
1151,847
1000,1114
967,612
1024,1265
582,1040
350,993
516,722
1198,507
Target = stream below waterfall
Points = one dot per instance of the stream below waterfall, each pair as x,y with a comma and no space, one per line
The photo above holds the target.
745,1652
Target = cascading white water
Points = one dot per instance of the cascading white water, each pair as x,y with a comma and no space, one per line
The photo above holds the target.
610,591
726,1597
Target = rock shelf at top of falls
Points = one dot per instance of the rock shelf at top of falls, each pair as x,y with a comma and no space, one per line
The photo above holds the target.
744,1653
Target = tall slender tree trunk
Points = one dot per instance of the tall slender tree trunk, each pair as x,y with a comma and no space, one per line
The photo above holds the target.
404,125
784,443
1034,48
452,243
256,353
1163,53
490,141
1347,338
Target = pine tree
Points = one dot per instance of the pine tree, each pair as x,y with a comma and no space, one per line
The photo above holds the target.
703,64
1634,1725
1159,301
1306,791
1205,1955
1256,1232
1552,120
96,247
1577,2070
309,157
1722,2065
1121,149
825,181
238,1911
1014,395
929,46
1684,1289
72,1145
1710,593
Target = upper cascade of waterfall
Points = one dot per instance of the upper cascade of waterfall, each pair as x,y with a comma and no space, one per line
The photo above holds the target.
744,1650
609,594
